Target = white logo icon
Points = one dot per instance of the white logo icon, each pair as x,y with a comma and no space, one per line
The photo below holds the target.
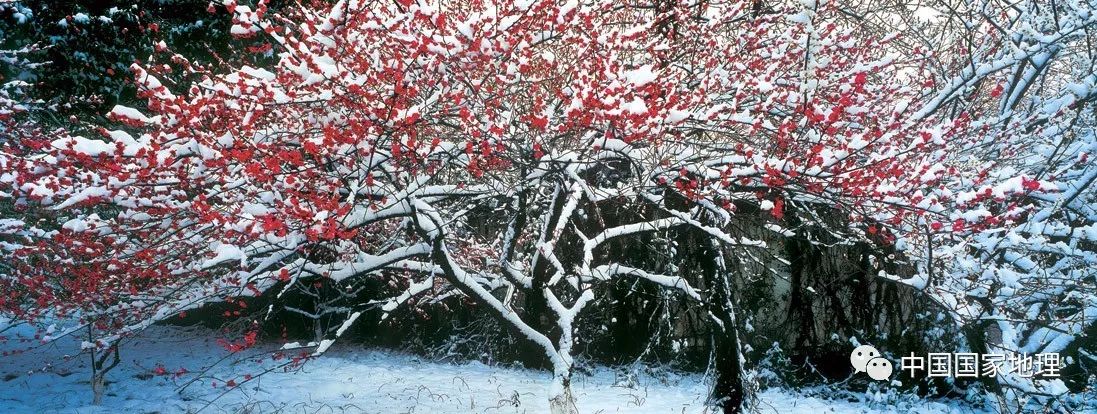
867,359
860,356
879,369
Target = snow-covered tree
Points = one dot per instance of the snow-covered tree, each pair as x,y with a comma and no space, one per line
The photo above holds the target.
508,151
1017,266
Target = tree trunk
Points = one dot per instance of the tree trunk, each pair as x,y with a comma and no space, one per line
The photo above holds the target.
536,308
802,256
99,368
98,386
729,390
561,400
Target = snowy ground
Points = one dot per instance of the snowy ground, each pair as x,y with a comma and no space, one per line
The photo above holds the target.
348,380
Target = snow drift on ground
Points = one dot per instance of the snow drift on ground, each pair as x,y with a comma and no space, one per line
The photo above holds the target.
347,379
